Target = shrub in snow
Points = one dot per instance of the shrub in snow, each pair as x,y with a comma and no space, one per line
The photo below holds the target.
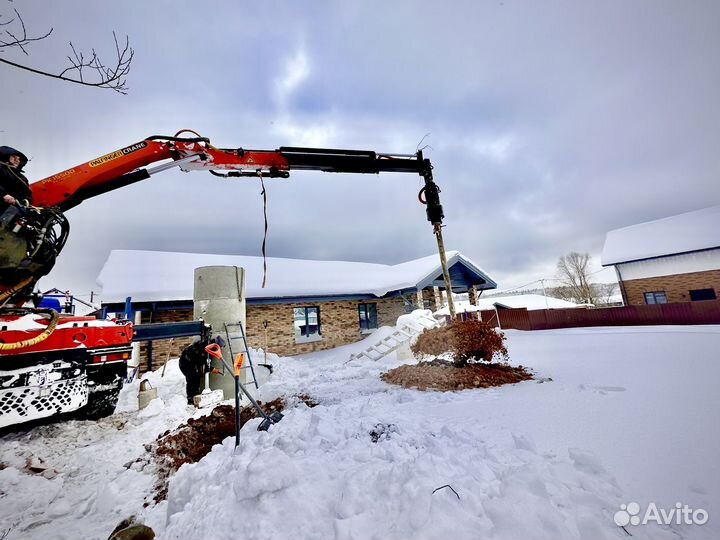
462,341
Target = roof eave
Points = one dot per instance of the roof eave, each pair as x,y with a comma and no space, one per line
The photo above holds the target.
658,256
458,258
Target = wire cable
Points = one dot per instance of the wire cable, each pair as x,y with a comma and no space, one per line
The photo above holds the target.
264,195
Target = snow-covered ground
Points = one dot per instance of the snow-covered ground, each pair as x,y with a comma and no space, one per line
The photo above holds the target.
629,416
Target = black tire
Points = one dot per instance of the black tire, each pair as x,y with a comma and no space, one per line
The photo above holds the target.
100,404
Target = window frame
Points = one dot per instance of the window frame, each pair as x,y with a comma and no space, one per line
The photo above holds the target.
655,296
369,329
308,338
705,290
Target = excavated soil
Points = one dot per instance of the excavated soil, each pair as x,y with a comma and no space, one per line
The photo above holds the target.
444,376
192,441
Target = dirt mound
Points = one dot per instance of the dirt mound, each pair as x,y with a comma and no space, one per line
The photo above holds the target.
307,400
192,441
444,376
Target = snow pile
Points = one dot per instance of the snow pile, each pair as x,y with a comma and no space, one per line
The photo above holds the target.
92,491
550,460
417,319
321,476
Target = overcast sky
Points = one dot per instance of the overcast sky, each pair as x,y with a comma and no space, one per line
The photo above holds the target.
549,123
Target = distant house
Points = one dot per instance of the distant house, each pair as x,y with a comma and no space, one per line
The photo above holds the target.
513,301
669,260
306,306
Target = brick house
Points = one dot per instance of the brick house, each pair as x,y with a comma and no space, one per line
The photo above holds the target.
669,260
306,306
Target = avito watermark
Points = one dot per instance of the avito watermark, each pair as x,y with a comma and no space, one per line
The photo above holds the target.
680,514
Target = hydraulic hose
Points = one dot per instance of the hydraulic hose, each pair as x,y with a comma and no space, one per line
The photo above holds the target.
54,319
8,293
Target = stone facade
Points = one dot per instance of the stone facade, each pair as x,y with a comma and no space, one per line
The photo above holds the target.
339,323
429,301
677,287
473,295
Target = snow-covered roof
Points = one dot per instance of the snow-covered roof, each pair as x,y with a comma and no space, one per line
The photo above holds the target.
692,231
528,301
162,276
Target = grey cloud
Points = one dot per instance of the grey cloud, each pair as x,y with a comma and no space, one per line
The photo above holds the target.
610,109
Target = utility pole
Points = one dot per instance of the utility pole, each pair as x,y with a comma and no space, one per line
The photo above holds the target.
542,281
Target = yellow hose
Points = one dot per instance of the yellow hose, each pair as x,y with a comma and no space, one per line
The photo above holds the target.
7,294
54,319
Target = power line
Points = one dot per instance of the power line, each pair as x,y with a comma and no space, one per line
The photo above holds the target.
511,289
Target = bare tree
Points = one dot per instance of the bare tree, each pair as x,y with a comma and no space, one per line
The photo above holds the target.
606,293
574,275
83,68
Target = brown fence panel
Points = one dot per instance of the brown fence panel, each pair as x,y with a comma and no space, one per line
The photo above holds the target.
676,313
489,316
704,312
516,319
538,319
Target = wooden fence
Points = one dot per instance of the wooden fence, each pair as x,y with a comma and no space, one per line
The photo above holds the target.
704,312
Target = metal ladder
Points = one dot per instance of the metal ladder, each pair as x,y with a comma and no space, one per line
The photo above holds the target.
246,349
401,335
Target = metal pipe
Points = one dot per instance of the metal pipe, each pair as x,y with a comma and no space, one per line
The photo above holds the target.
244,391
237,411
171,164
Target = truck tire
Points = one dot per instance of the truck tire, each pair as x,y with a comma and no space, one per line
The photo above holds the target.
100,404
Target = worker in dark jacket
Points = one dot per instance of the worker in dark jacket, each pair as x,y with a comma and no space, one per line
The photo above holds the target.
193,363
14,187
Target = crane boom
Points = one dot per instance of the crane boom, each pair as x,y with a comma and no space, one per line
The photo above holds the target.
125,166
45,228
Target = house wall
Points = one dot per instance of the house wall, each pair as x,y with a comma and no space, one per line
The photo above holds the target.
339,322
676,286
670,265
429,300
164,348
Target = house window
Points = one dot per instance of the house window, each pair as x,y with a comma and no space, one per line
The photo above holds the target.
703,294
368,317
307,324
656,297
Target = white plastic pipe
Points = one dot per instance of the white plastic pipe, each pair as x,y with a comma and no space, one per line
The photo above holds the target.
135,354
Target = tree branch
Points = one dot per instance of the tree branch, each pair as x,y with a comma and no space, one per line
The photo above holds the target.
22,39
86,70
